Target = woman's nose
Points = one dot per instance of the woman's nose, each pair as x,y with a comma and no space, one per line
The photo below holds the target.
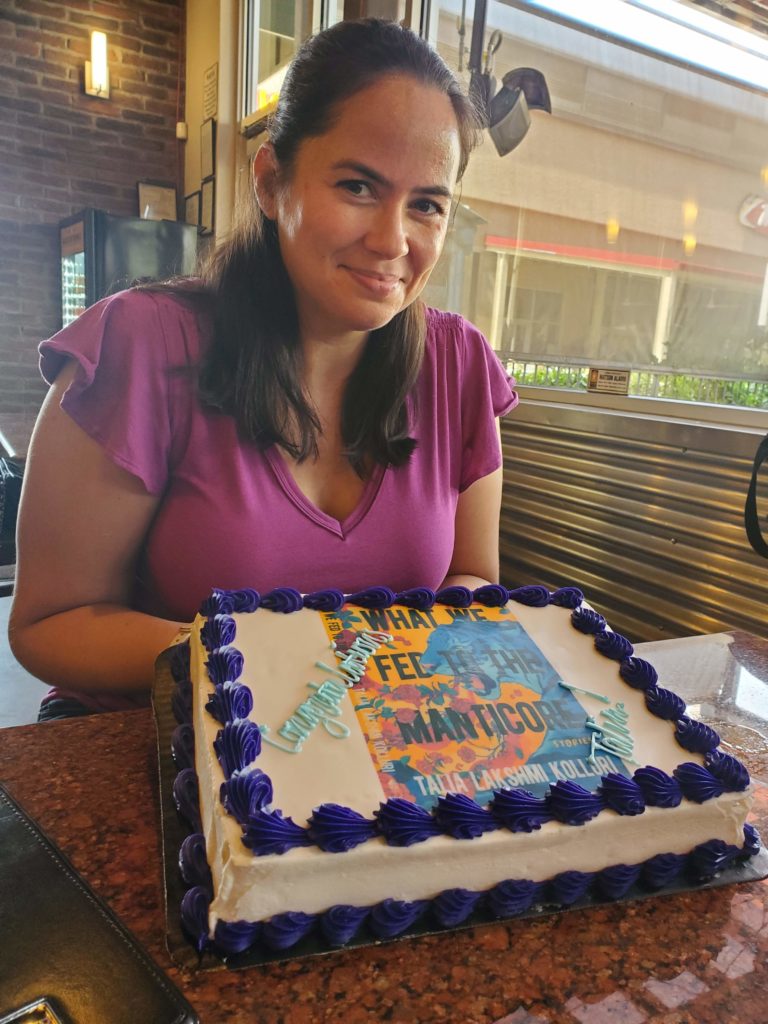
387,235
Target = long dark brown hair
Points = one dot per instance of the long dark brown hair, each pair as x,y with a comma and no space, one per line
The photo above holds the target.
253,369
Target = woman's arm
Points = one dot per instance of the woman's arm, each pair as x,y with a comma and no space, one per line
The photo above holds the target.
82,522
476,547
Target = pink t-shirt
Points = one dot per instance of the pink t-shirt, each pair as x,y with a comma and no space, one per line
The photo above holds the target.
231,515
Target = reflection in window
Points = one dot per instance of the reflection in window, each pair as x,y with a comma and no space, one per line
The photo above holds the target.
752,694
269,43
612,236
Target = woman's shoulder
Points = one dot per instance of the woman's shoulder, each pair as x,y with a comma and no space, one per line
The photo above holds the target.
157,325
459,353
451,335
181,311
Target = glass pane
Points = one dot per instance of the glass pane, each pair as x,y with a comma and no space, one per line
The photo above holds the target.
270,29
629,227
72,287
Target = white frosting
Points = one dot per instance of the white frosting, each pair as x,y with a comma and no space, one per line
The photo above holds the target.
280,655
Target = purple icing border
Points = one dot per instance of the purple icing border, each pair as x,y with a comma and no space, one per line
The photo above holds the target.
337,829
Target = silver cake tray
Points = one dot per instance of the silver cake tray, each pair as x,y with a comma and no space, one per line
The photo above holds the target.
174,830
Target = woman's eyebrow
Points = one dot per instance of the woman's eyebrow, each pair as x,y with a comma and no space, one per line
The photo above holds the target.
368,172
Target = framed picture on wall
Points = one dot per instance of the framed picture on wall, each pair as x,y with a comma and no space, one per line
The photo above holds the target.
157,200
207,206
207,149
192,208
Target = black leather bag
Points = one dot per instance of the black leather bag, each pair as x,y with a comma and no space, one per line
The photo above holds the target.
751,520
10,492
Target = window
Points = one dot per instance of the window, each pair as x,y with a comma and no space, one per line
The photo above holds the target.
630,227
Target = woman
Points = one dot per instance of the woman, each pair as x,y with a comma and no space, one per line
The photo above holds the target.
297,418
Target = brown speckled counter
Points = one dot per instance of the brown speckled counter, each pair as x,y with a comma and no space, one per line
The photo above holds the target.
694,957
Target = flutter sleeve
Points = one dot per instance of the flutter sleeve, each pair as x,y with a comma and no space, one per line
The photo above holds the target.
120,391
487,392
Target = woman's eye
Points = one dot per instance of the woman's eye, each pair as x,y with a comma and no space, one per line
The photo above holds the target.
356,187
429,206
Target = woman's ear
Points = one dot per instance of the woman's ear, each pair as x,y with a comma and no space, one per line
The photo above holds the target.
265,179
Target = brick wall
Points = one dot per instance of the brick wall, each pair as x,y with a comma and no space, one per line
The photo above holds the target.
61,150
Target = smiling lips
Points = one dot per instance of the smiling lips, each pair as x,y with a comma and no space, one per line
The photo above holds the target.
378,284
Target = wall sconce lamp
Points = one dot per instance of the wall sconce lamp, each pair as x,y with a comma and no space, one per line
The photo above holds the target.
97,69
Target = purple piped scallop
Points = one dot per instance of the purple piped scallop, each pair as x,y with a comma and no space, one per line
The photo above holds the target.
621,794
698,783
613,645
392,917
664,703
420,598
572,804
569,886
696,736
194,916
638,673
567,597
237,745
193,863
373,597
532,596
186,796
236,936
282,599
513,896
179,662
728,769
337,829
453,906
183,746
244,793
616,881
245,600
341,923
662,869
519,811
270,832
459,816
286,930
658,788
491,595
181,702
229,701
455,597
218,631
324,600
751,845
403,823
710,858
218,602
225,665
587,620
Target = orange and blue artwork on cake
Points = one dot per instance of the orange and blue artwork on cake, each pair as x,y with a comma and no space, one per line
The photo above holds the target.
463,701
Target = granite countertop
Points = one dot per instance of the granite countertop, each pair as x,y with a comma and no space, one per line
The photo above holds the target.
691,957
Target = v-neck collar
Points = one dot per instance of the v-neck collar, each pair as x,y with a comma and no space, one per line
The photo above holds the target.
292,490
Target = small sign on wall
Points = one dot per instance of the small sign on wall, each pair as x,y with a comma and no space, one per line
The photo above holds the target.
211,91
616,382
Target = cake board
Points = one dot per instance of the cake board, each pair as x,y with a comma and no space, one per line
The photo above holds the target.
174,830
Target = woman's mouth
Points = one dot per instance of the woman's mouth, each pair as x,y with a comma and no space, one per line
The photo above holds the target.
374,282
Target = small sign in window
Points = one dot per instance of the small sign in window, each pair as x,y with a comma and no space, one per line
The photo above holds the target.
614,381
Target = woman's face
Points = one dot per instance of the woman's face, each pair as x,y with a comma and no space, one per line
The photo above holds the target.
363,215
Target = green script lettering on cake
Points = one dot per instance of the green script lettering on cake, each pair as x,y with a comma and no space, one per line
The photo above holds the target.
322,707
611,734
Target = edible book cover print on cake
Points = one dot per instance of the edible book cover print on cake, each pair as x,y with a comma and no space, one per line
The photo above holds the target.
461,700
